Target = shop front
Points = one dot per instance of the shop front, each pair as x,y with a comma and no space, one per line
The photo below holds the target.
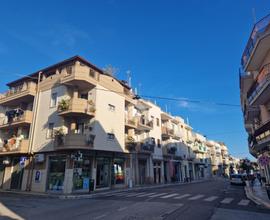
17,173
56,173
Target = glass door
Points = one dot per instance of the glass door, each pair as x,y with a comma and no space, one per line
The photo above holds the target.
56,176
103,169
16,175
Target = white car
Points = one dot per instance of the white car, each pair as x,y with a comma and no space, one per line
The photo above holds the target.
237,179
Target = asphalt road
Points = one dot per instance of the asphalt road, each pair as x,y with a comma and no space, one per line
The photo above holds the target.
213,200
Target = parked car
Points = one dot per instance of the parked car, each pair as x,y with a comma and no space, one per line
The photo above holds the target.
237,179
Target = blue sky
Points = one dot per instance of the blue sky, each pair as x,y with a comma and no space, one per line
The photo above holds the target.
179,49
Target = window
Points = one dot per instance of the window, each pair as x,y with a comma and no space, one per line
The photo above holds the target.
157,122
110,136
92,73
111,107
50,133
84,96
53,100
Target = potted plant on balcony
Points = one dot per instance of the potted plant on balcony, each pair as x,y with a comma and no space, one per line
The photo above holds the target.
91,106
59,135
63,105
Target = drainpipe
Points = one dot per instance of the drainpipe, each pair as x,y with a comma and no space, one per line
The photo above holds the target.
31,142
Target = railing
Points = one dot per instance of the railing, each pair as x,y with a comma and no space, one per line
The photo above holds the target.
15,145
258,30
27,116
261,81
15,91
167,131
76,105
144,122
130,121
73,141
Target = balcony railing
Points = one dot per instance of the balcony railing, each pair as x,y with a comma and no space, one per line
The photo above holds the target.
258,30
76,106
169,150
167,132
130,122
144,124
14,146
74,141
262,79
25,118
18,92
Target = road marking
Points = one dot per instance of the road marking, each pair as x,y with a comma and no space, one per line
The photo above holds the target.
183,196
211,198
120,194
5,212
147,194
99,217
244,202
196,197
227,200
157,195
134,194
169,196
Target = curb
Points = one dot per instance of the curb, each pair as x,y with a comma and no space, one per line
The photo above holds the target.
97,194
45,195
256,199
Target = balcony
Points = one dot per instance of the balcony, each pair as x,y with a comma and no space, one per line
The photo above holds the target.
167,132
146,148
76,107
130,122
259,92
169,150
21,147
257,46
24,119
19,94
80,76
144,124
74,141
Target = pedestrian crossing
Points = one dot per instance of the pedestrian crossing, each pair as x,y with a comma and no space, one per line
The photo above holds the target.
173,196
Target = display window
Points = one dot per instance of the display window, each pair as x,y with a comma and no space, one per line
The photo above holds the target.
56,175
118,168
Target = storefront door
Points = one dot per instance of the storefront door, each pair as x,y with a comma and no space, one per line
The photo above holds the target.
16,175
103,169
56,176
157,172
118,176
142,171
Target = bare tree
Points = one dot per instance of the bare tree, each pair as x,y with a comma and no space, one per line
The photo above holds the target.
110,70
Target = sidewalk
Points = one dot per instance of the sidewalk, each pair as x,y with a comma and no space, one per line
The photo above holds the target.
258,194
98,193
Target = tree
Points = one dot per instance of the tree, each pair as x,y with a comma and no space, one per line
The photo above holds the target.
110,70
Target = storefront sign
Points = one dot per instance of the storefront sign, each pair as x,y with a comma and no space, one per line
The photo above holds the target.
37,176
264,160
22,161
85,183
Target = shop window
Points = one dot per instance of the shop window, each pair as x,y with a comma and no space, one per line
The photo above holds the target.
118,176
56,174
53,100
50,131
81,174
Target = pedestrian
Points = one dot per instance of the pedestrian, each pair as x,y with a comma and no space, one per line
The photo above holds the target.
259,178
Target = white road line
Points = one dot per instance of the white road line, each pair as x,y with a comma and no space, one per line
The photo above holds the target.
120,194
211,198
196,197
147,194
182,196
99,217
244,202
5,212
134,194
169,196
227,200
157,195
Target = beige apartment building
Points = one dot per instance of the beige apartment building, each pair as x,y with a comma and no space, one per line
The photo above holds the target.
255,93
73,128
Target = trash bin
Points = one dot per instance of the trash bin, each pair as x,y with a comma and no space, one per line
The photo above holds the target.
91,185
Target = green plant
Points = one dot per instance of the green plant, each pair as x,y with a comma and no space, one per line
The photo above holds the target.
63,105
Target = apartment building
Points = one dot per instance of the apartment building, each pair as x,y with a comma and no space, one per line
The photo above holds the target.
254,90
73,128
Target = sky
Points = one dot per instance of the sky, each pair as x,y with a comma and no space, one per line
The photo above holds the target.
188,50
